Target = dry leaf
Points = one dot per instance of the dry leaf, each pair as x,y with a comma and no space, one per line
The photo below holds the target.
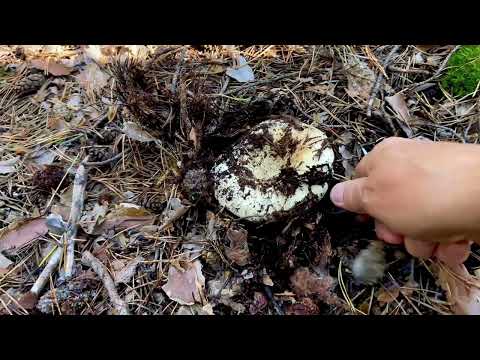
243,72
41,157
95,53
216,69
28,300
259,303
238,308
125,274
266,280
55,224
386,296
21,233
193,136
462,289
304,307
66,196
62,210
398,103
4,262
238,251
135,132
360,78
185,286
50,66
92,78
56,123
8,166
305,283
124,217
92,218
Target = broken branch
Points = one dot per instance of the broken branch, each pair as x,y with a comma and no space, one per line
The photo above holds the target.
91,261
78,198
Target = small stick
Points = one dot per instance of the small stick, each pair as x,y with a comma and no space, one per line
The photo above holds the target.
177,71
91,261
408,71
47,271
104,162
378,80
78,198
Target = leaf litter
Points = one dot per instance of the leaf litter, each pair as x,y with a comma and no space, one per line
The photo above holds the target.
149,215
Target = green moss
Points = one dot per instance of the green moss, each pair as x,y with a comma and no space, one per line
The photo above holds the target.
463,74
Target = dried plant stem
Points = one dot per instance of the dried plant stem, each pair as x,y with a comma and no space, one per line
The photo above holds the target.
91,261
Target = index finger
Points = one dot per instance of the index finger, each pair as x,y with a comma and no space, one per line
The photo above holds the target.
367,163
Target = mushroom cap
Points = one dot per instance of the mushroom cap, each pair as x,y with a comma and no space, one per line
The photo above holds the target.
277,166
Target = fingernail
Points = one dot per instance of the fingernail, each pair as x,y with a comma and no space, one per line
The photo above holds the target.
336,195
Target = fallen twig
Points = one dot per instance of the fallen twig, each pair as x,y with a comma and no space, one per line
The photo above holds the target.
47,271
104,162
408,71
178,70
68,238
91,261
78,198
379,80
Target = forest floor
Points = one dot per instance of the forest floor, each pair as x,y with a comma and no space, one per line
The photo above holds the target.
106,199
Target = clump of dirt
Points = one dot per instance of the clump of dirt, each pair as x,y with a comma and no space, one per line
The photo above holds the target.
49,178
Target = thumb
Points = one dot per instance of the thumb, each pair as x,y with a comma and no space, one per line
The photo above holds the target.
348,195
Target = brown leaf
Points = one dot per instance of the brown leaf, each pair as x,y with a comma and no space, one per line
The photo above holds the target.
238,251
259,303
123,218
185,286
21,233
50,66
360,78
305,283
135,132
92,78
398,103
4,262
125,274
305,306
28,300
91,218
386,296
462,289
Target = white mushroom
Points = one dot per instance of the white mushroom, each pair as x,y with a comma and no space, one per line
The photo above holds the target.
277,166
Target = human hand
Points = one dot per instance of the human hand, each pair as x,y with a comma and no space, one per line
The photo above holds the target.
423,194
